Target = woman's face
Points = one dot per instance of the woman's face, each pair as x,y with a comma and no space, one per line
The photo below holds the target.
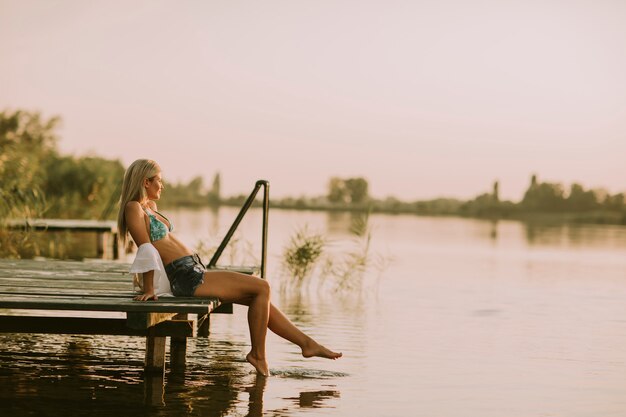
154,186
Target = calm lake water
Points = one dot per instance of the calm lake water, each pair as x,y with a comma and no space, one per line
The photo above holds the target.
459,318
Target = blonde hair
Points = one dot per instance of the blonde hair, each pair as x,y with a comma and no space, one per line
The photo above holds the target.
133,190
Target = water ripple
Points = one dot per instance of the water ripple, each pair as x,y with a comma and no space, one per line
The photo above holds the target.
300,373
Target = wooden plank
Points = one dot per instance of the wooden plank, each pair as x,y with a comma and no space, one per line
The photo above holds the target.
28,287
7,290
171,305
114,299
102,266
29,284
38,277
59,265
180,328
53,266
75,225
249,270
68,273
68,282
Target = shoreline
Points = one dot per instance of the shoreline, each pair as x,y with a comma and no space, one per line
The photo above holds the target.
596,217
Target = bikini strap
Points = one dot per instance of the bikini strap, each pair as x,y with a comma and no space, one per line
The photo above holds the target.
148,223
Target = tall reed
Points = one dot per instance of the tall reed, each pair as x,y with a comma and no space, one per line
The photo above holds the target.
344,270
301,255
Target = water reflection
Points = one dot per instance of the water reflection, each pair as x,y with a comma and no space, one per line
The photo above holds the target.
256,391
493,231
36,380
72,357
345,222
154,390
573,235
337,222
211,386
311,310
73,375
314,399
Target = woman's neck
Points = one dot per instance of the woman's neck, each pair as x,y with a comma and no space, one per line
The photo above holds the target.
145,203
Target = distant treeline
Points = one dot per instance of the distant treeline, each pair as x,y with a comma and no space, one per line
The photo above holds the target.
37,181
541,201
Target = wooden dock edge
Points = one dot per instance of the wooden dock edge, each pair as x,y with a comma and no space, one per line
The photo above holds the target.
176,326
94,326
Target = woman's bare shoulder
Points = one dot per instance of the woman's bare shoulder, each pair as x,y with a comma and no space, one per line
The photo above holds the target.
135,219
133,208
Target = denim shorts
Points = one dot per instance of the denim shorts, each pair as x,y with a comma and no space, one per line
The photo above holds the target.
186,274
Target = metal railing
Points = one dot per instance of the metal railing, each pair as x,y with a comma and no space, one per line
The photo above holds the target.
266,205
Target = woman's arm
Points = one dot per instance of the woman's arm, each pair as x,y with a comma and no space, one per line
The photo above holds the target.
136,223
148,287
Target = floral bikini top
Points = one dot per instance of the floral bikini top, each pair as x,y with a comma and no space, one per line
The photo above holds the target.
158,229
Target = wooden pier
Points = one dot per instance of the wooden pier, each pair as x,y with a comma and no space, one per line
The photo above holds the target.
30,289
106,231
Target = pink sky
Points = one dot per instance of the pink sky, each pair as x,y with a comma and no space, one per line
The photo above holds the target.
423,98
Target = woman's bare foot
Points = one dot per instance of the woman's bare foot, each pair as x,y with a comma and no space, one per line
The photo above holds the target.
260,365
312,348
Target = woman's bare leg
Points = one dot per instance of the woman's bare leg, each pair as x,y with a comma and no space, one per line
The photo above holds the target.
283,327
232,287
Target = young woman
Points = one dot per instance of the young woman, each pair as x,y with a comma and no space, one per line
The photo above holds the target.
168,265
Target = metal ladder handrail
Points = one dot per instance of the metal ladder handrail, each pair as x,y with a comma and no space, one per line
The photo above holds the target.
266,205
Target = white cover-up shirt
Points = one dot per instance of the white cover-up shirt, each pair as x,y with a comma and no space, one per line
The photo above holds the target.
148,259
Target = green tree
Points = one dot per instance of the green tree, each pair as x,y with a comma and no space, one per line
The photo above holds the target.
81,187
581,200
496,191
190,194
357,190
215,195
548,197
195,187
348,191
26,141
337,191
615,202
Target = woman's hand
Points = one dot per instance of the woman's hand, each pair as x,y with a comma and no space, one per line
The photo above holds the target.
146,296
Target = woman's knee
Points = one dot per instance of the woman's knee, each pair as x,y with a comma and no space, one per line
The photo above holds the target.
264,287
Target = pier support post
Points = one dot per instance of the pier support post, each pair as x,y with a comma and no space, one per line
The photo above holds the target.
155,353
106,245
178,349
154,390
100,245
116,248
